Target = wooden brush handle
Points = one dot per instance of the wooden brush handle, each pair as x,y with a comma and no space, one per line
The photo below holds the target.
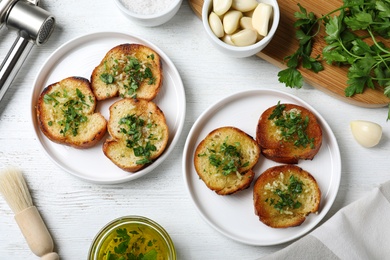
36,234
51,256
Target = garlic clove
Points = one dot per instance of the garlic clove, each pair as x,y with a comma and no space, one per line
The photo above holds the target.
216,25
246,22
244,5
261,18
220,7
244,37
231,21
366,133
227,38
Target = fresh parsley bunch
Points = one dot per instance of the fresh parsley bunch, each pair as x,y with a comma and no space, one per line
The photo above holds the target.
351,40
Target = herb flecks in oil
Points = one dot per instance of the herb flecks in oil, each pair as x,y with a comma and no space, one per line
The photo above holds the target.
132,244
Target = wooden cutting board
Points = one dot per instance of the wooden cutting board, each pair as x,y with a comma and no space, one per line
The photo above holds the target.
332,80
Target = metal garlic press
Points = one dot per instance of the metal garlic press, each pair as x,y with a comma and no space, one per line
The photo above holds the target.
34,26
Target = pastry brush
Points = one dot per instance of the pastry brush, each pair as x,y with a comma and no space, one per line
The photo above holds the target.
14,189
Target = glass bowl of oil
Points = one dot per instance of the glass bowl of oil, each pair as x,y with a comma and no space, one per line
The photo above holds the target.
132,237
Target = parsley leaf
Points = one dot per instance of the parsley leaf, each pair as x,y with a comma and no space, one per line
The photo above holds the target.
351,38
305,25
291,77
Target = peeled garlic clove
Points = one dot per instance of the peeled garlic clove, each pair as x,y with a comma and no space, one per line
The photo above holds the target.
261,18
231,20
367,134
220,7
246,22
216,25
244,37
227,38
244,5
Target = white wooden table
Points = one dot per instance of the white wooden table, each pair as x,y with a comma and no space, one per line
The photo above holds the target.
75,210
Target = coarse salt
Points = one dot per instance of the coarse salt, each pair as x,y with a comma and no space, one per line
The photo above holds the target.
146,7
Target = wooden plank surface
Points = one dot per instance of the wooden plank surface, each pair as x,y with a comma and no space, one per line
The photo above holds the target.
332,80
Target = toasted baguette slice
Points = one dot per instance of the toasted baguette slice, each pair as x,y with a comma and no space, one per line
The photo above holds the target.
293,183
225,158
66,113
272,138
139,133
128,70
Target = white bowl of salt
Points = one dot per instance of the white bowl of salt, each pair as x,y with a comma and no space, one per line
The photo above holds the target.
149,13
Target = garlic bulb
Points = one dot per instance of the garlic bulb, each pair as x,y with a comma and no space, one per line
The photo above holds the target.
367,134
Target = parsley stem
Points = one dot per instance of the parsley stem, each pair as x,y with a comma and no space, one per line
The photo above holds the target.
376,43
343,7
383,61
326,16
357,57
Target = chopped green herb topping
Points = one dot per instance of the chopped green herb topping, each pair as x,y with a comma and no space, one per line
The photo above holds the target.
131,71
151,56
107,78
134,131
72,110
292,126
278,111
287,199
226,158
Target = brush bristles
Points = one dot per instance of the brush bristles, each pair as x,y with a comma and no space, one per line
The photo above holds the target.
14,189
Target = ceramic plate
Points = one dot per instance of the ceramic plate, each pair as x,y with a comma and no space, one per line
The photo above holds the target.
234,215
79,57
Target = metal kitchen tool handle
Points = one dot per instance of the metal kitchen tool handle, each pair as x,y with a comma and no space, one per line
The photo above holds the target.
35,25
13,62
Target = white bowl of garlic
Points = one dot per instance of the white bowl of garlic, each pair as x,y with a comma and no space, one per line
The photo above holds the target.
240,28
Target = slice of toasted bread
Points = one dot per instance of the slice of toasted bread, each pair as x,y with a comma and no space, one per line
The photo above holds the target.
225,158
284,195
66,113
139,133
128,70
288,133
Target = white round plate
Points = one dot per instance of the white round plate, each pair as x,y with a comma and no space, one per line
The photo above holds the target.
233,215
79,57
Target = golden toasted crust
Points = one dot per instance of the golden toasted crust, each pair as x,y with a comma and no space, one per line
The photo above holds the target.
135,125
268,204
130,70
67,116
272,144
210,152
